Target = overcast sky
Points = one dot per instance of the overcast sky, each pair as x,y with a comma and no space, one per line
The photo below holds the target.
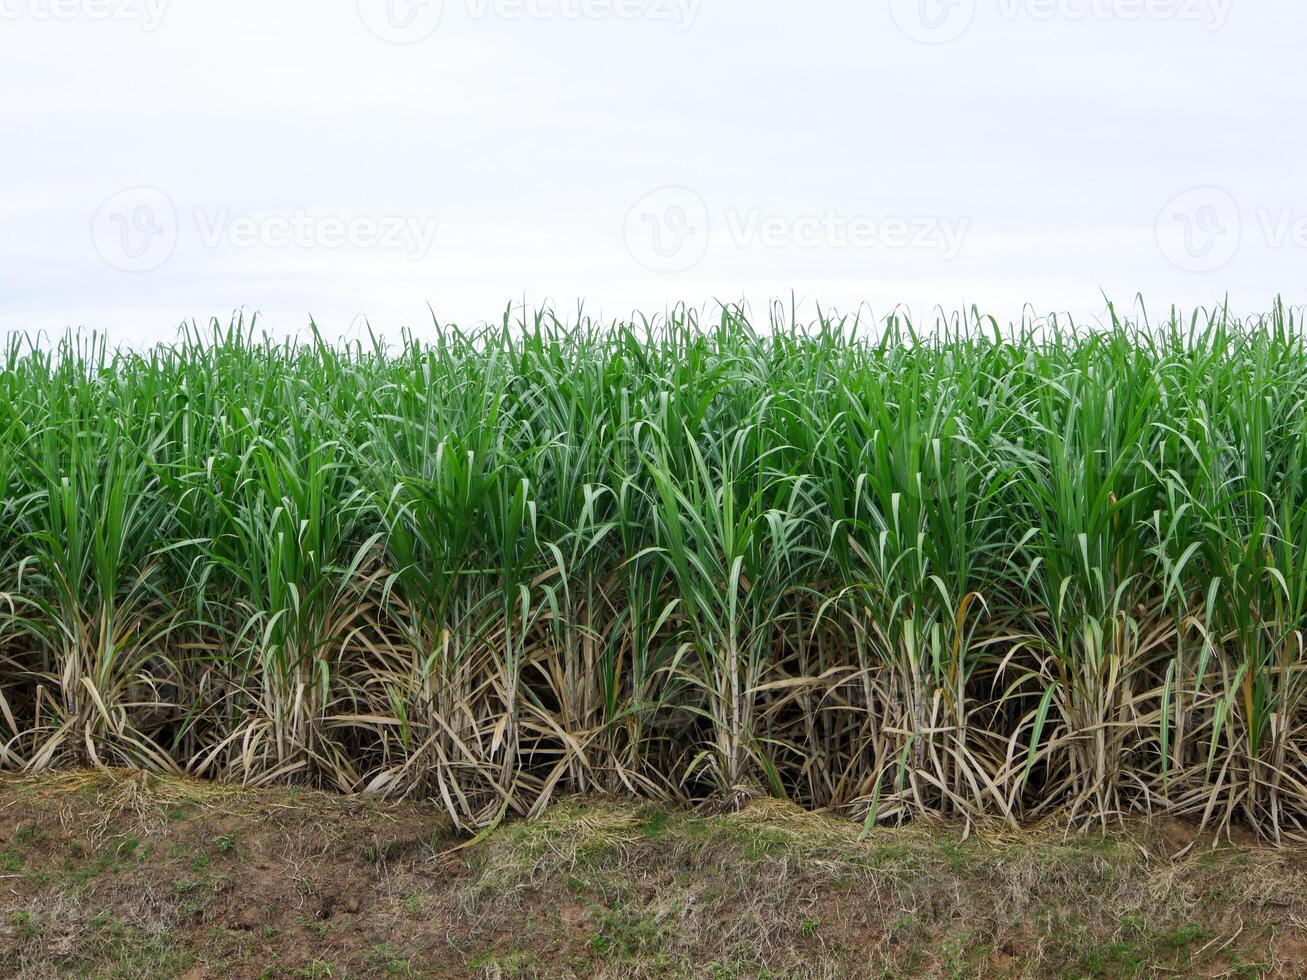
365,158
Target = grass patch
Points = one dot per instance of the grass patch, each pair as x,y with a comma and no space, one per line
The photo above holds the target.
894,571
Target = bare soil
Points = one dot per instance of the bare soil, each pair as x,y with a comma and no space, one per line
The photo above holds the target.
118,875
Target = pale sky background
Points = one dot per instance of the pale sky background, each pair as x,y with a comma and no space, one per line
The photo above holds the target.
169,160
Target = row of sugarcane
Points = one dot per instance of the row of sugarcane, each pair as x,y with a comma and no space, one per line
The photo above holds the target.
963,571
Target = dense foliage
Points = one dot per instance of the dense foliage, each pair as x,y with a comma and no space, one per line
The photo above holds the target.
973,572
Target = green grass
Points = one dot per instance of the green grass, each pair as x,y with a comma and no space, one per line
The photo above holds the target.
958,572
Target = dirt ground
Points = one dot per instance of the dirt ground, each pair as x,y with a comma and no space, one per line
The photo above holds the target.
131,876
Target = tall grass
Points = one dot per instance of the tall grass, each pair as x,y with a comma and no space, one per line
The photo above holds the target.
964,572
